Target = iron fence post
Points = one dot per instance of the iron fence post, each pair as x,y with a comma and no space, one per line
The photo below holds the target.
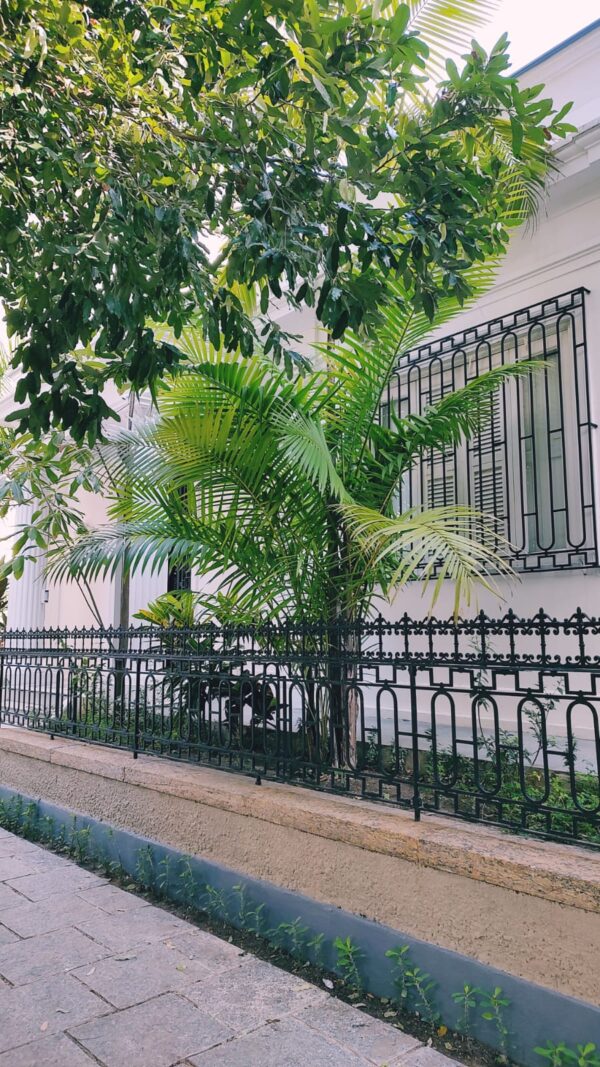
136,724
416,799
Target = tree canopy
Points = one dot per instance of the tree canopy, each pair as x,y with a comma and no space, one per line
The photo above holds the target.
155,159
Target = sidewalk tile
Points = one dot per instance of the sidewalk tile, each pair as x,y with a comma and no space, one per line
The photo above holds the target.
146,972
286,1043
30,918
254,993
45,884
57,1051
375,1040
155,1034
32,1012
40,957
123,932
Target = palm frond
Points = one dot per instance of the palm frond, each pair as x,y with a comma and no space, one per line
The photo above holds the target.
459,414
447,26
452,542
359,370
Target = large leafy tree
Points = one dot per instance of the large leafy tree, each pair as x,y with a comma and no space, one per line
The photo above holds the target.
153,157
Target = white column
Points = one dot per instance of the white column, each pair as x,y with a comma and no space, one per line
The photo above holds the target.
27,594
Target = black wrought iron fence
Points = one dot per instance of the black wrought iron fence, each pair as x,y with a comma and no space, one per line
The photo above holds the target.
494,720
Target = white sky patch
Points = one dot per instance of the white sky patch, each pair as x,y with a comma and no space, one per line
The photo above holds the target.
535,26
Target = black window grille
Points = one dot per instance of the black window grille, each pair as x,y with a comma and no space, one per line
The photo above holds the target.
179,577
531,464
179,574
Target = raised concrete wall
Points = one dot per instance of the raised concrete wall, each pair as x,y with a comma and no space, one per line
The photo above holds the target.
529,908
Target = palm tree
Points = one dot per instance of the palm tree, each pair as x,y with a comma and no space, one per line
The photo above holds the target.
284,491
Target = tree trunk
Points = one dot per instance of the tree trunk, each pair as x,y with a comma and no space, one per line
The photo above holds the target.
345,700
343,647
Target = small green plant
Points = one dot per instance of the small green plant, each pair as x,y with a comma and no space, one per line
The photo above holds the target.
244,910
413,984
215,902
423,986
60,839
47,829
256,917
144,867
562,1056
79,847
13,815
466,1000
291,936
163,876
348,955
250,917
495,1005
400,961
187,882
29,822
315,947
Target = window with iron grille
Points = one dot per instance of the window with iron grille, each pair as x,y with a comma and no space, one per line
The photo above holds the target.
531,463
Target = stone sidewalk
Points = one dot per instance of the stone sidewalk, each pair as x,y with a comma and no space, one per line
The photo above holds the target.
91,974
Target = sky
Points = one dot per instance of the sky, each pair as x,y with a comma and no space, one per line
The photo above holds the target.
534,26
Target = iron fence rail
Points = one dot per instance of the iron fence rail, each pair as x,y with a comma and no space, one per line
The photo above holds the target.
495,720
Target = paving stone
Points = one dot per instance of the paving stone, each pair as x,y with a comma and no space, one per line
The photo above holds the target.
39,957
42,884
134,977
142,926
59,1051
6,936
25,1010
16,846
30,918
43,860
254,993
112,900
158,1033
375,1040
286,1043
212,951
14,867
9,898
429,1057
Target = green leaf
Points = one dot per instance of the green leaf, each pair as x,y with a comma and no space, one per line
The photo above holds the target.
517,135
399,21
322,91
453,74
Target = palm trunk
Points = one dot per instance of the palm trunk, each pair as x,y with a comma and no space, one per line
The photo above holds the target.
345,702
343,647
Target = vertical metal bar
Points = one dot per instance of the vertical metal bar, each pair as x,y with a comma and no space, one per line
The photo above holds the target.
136,726
416,799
